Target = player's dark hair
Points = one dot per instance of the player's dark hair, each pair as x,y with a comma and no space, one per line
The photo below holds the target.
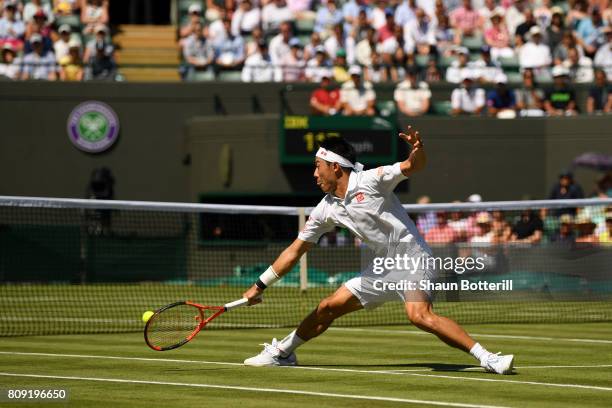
340,146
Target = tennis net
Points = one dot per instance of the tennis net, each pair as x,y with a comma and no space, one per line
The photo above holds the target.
89,266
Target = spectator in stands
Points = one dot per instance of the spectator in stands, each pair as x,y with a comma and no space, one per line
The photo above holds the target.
534,54
252,44
357,97
585,229
520,35
365,48
102,65
411,96
71,65
385,31
606,236
327,17
565,234
600,94
60,46
317,66
231,51
568,41
215,9
339,69
467,99
35,6
361,26
580,68
246,18
351,13
94,13
603,57
309,49
39,64
195,19
99,41
301,9
274,13
425,220
258,67
432,73
198,52
325,100
420,34
543,13
484,232
528,228
485,69
337,40
561,100
466,20
566,188
497,38
405,12
486,11
445,37
12,29
515,16
9,65
459,67
292,64
39,24
501,102
500,227
588,31
554,31
441,233
279,45
529,98
379,14
376,72
217,33
65,9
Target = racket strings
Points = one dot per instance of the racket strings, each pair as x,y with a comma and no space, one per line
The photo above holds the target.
174,325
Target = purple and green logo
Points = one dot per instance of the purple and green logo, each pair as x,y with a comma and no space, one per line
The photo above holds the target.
93,126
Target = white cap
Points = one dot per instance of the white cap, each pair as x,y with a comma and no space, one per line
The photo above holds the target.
74,43
36,38
475,198
559,70
326,73
354,70
501,78
465,74
64,28
463,50
535,30
195,8
101,28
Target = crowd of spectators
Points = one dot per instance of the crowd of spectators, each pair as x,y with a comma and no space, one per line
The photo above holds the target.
66,40
475,44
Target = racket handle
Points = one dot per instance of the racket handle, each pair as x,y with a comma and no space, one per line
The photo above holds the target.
236,303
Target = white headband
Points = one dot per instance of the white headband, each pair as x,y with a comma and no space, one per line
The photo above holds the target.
332,157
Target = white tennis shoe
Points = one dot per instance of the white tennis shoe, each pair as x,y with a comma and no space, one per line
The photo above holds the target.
270,356
498,363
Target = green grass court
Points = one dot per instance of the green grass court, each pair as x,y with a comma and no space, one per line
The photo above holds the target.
562,365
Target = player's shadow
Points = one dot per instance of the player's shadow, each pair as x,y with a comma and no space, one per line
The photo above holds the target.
392,367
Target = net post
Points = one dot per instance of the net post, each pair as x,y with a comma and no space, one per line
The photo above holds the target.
303,259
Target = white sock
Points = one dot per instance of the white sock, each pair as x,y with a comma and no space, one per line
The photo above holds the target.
479,352
290,343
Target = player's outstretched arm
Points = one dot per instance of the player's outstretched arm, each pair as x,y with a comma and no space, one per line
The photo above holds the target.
283,264
417,159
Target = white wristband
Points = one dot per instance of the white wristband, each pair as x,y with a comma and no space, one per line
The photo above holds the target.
269,277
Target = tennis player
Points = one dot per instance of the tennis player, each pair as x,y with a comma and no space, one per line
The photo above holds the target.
363,202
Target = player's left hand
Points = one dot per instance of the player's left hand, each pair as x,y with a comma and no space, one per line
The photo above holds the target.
412,137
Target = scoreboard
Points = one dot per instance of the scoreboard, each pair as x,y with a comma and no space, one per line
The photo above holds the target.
373,137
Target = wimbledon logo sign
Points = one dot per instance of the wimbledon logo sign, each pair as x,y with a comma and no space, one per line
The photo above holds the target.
93,126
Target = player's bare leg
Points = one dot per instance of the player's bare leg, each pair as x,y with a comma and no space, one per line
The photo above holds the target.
421,314
282,353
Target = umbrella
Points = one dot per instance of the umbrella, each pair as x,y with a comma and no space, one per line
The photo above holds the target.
595,161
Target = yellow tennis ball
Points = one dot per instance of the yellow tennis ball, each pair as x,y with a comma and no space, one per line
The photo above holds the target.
147,315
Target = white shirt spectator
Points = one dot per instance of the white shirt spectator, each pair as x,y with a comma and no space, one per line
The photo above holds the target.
11,29
30,9
603,59
332,46
514,18
404,14
479,69
292,68
216,32
60,47
9,70
455,73
416,33
273,16
412,98
378,18
314,71
532,55
278,48
39,66
257,69
583,72
363,52
468,100
198,48
357,98
245,20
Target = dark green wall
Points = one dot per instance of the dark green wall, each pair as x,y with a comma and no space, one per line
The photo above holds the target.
161,123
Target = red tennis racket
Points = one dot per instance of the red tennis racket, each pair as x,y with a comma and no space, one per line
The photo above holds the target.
176,324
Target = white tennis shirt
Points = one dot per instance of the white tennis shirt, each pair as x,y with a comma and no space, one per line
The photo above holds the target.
370,211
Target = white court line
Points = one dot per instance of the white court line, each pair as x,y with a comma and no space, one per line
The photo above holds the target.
521,367
348,370
500,336
269,390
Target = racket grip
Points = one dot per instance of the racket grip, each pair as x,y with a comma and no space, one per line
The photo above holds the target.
236,303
